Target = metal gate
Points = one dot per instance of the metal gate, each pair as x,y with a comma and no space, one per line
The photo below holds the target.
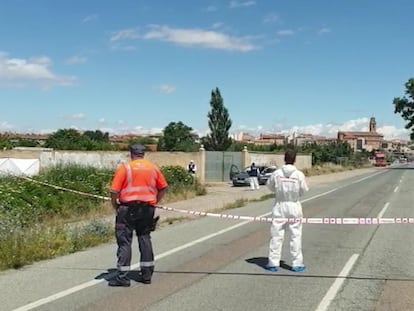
218,164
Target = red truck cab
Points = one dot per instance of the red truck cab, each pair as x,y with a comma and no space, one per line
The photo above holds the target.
380,159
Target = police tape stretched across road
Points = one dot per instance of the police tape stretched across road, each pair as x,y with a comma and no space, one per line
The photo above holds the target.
304,220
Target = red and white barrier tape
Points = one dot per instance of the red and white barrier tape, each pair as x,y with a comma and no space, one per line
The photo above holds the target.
304,220
65,189
319,220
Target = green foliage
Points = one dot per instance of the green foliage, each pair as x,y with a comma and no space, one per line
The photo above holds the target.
219,123
5,143
322,153
27,209
97,136
25,203
27,143
177,177
405,106
142,140
24,246
177,137
71,139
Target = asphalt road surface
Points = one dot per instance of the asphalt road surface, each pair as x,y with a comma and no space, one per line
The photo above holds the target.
217,264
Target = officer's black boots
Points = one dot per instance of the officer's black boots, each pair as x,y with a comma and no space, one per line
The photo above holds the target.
119,282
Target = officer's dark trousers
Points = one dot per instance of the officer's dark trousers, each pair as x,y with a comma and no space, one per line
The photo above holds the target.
134,217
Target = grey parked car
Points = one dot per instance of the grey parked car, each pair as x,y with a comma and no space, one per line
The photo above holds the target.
241,178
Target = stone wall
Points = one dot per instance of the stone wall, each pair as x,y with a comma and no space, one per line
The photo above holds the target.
110,159
302,160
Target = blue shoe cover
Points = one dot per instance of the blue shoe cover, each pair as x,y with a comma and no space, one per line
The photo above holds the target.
272,268
298,268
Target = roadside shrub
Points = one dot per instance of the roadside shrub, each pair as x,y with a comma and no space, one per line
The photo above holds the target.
24,246
177,177
39,222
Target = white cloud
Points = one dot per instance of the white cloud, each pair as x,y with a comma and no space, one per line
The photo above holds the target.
324,30
75,60
271,18
75,116
391,132
90,18
123,34
199,37
285,32
187,37
239,4
35,70
217,25
5,126
330,129
101,120
166,88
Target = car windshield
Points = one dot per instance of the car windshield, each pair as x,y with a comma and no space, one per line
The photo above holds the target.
262,169
269,170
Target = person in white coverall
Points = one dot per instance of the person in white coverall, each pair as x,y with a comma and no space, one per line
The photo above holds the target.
288,184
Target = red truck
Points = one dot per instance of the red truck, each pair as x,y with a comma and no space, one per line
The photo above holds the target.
380,159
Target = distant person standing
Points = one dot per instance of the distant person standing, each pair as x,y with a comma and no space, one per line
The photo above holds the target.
254,177
288,184
192,167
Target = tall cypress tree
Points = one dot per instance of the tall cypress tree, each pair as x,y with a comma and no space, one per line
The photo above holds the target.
219,123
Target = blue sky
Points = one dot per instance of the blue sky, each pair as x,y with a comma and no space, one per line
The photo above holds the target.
134,66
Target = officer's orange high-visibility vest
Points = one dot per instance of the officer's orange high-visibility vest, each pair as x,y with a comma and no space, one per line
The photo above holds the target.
138,180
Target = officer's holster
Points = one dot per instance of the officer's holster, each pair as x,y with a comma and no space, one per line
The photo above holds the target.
140,217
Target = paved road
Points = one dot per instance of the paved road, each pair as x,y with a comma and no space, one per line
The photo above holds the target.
216,264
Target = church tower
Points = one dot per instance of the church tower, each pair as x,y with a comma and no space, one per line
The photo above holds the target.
372,125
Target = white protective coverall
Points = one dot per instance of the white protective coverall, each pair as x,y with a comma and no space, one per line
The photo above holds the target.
288,184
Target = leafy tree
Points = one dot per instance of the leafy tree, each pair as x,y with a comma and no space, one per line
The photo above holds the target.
405,106
219,123
71,139
97,135
63,139
177,137
5,142
27,143
144,140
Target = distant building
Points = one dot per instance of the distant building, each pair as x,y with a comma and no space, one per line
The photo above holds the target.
15,137
396,146
270,139
243,137
369,141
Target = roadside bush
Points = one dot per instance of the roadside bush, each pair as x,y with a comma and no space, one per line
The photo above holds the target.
35,219
20,246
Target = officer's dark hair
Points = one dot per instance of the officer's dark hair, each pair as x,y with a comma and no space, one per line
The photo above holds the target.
290,156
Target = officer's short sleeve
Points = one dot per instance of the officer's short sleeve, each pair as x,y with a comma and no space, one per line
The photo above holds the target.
119,178
161,182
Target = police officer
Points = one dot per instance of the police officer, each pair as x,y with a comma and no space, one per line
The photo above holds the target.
192,168
137,186
254,176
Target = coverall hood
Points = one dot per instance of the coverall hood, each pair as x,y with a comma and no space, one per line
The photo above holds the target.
288,169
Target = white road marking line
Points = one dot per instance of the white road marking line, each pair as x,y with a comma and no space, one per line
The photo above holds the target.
160,256
335,287
383,210
91,283
396,189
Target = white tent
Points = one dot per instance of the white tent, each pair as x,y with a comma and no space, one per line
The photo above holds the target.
28,167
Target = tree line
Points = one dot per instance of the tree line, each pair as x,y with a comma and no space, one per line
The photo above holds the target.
177,136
